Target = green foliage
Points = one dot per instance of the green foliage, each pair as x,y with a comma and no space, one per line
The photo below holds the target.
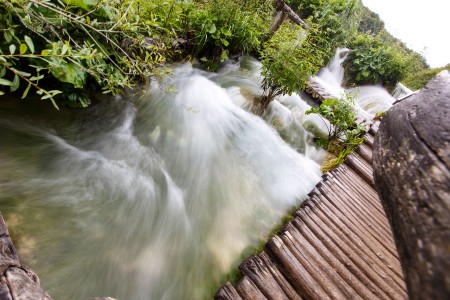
418,80
373,62
336,20
344,135
224,27
289,58
370,23
72,42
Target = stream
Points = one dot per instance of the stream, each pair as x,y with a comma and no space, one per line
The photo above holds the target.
156,194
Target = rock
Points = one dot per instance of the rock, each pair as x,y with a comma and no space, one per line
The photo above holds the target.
411,161
17,281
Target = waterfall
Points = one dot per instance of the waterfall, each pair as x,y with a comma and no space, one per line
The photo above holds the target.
332,76
401,91
370,99
153,195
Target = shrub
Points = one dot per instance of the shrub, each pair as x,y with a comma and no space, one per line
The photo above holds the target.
344,134
70,42
289,58
224,27
336,20
373,62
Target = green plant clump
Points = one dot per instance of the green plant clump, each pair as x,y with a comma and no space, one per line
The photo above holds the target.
57,47
289,58
336,21
373,62
344,134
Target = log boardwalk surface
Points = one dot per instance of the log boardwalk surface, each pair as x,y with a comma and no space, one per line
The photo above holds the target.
339,245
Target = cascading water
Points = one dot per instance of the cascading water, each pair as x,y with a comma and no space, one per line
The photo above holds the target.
153,196
370,99
401,91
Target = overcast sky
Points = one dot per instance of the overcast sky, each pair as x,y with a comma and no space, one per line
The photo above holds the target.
423,25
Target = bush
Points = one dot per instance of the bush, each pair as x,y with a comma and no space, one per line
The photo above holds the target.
336,20
344,134
223,27
56,48
373,62
289,58
370,23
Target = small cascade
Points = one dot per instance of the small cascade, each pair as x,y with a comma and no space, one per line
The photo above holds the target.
330,77
370,100
401,91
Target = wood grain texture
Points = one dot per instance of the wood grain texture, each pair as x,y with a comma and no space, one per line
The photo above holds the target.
412,174
339,245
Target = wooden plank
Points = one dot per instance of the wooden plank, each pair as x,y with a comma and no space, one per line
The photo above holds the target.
347,217
343,253
227,292
336,261
248,290
261,276
360,168
357,251
294,271
358,242
365,151
333,283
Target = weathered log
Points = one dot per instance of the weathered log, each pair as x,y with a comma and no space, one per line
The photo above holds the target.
282,6
280,17
17,281
412,173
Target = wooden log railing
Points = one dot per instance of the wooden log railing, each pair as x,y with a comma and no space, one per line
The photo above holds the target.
412,171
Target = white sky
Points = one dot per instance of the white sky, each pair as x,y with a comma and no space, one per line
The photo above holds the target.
423,25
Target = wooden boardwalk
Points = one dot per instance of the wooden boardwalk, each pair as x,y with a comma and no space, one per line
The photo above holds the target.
339,246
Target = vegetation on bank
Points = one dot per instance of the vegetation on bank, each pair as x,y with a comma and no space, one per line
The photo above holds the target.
63,49
60,49
416,81
344,134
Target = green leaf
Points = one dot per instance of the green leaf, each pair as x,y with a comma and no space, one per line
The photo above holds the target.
226,31
8,36
2,71
64,49
1,93
211,28
21,73
69,73
35,78
15,84
29,42
5,82
25,93
23,48
12,48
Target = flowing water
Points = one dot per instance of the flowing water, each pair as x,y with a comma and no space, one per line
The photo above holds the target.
369,99
401,91
154,195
